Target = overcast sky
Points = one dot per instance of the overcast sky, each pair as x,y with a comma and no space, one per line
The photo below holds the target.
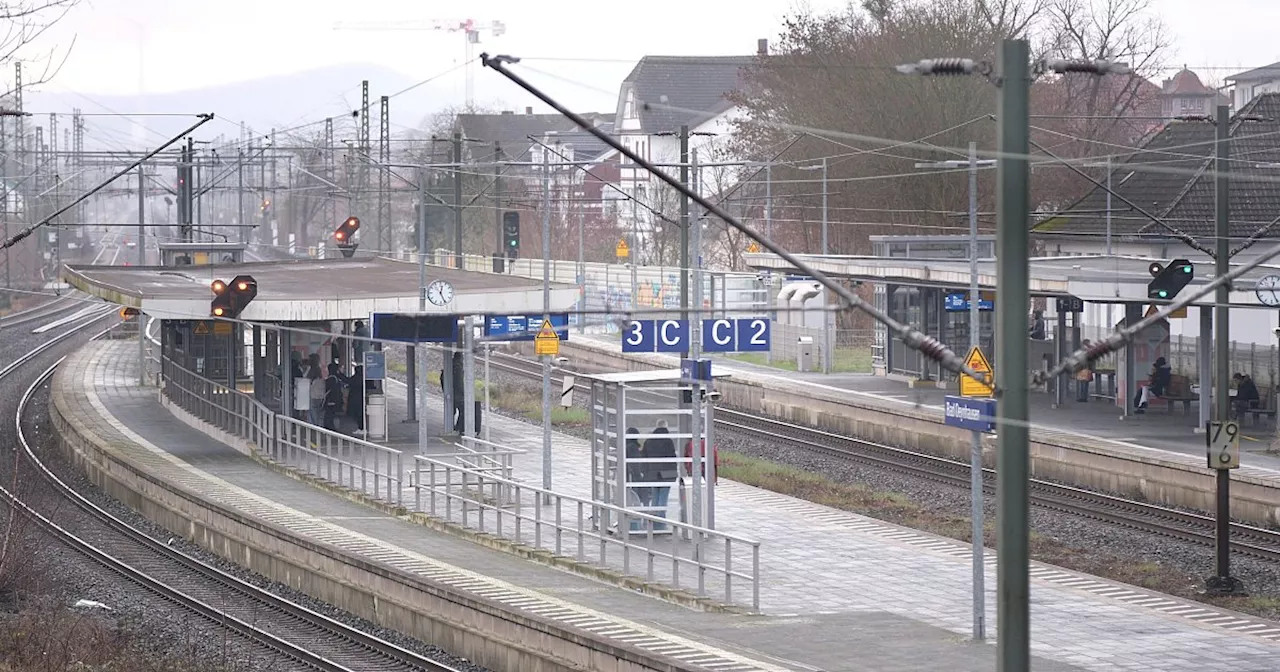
187,45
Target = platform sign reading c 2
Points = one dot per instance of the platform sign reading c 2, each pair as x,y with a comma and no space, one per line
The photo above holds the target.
375,365
744,335
969,387
656,336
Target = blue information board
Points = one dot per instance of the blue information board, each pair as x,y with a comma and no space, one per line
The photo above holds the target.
744,335
656,336
695,369
960,302
523,327
976,413
375,365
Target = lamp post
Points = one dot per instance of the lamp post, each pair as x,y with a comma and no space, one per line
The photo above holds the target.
975,452
826,315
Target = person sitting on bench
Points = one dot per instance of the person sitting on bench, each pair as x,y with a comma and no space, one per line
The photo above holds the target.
1158,382
1246,394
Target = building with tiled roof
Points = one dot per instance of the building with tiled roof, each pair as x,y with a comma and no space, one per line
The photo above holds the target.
663,93
1185,95
1171,177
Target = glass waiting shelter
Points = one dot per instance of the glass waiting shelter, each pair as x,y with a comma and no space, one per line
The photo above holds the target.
642,428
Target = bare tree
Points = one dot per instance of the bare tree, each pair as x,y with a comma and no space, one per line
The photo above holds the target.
830,80
22,22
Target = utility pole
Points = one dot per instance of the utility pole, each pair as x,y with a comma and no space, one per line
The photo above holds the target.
1012,300
384,179
499,256
244,229
701,503
330,174
142,219
413,353
684,225
1222,583
457,198
975,447
546,315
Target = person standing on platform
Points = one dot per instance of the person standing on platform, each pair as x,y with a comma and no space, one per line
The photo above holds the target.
355,399
663,472
315,390
358,345
1083,377
301,386
636,472
333,397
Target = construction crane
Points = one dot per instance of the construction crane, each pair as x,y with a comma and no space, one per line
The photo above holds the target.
470,29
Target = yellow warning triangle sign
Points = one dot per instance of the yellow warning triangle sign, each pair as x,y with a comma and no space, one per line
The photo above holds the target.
202,327
547,331
969,387
621,250
753,247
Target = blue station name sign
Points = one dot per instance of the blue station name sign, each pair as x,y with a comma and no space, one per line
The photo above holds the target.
977,414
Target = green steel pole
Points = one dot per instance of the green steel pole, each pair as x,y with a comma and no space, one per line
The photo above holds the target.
1012,300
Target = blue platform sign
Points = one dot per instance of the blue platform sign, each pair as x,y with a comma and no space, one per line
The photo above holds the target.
656,336
744,335
977,414
960,302
375,365
523,327
695,369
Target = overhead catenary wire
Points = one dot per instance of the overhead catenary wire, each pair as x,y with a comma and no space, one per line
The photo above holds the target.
912,337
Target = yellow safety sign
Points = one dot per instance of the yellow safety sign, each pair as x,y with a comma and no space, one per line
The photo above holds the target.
222,328
622,251
202,328
969,387
1153,309
547,342
753,247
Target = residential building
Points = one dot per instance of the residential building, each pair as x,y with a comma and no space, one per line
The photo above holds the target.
1171,179
1250,84
1184,95
658,97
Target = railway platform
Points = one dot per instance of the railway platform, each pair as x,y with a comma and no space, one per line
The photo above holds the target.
1098,421
839,591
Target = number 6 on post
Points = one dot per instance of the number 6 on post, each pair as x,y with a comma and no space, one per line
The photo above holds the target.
1222,439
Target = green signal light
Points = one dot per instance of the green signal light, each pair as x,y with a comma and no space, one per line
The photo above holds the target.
1163,294
1186,269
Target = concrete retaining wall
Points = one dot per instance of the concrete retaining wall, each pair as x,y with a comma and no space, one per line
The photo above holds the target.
1155,476
467,626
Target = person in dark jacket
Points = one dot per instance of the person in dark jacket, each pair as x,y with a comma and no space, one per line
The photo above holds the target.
355,398
1157,382
664,472
637,472
1246,394
334,385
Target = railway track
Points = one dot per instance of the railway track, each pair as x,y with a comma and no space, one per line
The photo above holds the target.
308,639
1197,528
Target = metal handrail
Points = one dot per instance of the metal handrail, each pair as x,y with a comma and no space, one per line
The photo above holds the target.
326,454
458,494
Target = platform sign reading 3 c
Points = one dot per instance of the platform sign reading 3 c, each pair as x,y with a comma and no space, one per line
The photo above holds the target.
1223,441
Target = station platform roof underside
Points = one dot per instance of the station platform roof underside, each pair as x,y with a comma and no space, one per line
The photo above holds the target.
314,290
1100,279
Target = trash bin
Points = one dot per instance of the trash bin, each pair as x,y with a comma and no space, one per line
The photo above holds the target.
376,416
804,353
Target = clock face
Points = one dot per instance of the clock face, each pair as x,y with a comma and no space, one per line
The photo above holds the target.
440,292
1268,290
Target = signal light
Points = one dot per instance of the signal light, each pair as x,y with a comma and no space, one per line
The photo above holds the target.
231,299
511,233
218,286
127,312
1169,280
344,235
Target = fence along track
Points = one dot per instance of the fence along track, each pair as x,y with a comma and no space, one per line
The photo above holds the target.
288,629
1193,527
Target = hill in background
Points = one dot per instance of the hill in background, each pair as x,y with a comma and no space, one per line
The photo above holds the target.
282,102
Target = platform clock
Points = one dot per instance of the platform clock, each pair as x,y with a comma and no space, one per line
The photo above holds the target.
1268,290
440,293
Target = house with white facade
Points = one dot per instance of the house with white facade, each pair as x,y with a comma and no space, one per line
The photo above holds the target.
1250,84
661,95
1166,188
